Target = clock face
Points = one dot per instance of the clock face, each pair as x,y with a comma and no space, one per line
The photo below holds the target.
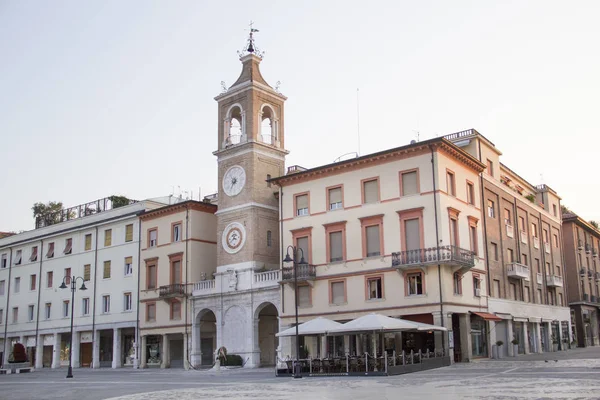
234,180
234,237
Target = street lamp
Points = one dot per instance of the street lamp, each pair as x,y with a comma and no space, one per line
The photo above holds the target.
73,281
293,259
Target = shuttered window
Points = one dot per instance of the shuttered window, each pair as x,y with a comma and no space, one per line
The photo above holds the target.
151,277
128,266
68,246
304,296
87,271
451,184
129,233
335,198
338,295
34,251
371,191
50,252
409,183
373,246
107,237
302,243
151,312
106,273
88,241
302,205
335,247
413,234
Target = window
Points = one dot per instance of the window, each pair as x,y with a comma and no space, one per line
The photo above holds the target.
88,242
302,245
15,318
539,296
150,312
68,246
49,276
127,302
456,280
34,254
491,209
513,291
32,282
550,297
152,238
50,252
87,272
65,308
18,257
48,310
334,196
106,272
415,284
555,240
546,240
511,255
17,284
558,270
151,276
301,205
176,310
450,183
337,292
524,259
1,316
534,230
269,239
494,251
537,265
490,167
304,299
3,261
335,246
375,288
476,286
554,210
473,237
370,191
105,304
68,276
373,241
527,295
30,312
497,288
522,224
454,238
2,287
129,233
470,193
410,183
560,299
548,270
85,306
268,180
176,235
175,271
107,237
128,266
507,217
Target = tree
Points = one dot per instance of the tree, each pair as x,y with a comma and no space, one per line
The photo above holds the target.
119,201
594,224
47,214
565,210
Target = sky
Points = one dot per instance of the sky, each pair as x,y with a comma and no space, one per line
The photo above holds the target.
117,97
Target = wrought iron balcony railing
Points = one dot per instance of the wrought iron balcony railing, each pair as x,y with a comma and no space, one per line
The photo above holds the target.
305,272
173,290
433,255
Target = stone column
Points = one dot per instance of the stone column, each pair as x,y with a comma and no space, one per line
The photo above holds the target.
346,344
142,351
165,351
196,353
255,348
538,337
548,337
39,352
466,346
186,364
96,349
526,337
56,351
75,349
493,338
437,335
323,346
116,356
509,337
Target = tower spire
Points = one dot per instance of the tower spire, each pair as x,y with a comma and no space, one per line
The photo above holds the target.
250,47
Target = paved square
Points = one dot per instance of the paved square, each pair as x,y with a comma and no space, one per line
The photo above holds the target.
574,375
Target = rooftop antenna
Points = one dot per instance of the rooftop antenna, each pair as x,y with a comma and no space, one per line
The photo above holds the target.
418,135
358,121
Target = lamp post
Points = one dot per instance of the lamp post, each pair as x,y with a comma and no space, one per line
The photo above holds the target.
293,259
73,281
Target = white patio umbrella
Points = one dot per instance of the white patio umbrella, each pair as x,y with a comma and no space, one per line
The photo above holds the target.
317,326
374,323
429,327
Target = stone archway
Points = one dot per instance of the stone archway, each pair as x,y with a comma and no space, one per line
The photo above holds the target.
268,325
205,338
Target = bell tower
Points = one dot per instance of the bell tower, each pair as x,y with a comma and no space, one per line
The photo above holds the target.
250,151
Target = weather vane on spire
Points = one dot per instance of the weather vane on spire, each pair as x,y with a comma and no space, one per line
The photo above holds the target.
250,47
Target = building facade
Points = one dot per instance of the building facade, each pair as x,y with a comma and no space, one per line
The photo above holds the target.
98,242
581,243
178,248
523,253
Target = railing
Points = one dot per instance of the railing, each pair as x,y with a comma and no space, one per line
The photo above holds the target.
233,139
547,247
536,242
588,248
516,270
268,276
304,272
582,272
267,139
523,237
580,244
540,278
554,280
597,276
295,168
431,255
173,290
82,210
593,299
461,134
585,297
510,231
204,285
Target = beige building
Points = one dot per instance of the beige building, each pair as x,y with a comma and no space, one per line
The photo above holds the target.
396,232
178,247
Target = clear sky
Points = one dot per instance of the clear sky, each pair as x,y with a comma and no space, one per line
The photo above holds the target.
116,97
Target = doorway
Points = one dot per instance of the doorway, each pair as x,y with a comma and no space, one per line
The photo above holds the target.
85,354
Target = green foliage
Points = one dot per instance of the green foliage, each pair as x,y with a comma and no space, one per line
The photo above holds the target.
233,360
594,223
49,213
515,341
499,343
565,210
531,198
119,201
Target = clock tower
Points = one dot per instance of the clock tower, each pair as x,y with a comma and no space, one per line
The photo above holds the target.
250,151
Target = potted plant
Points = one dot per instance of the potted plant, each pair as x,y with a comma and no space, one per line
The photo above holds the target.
554,343
497,349
515,343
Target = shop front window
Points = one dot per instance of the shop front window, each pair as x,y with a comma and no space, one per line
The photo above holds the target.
479,337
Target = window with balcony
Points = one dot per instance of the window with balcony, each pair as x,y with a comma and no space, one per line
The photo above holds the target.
49,279
152,238
68,246
176,233
304,296
128,266
18,257
107,237
375,288
129,233
491,209
175,310
334,198
127,302
106,270
410,183
34,254
85,306
450,183
370,191
106,304
337,290
414,284
301,205
457,283
470,193
48,310
87,272
151,276
50,252
150,312
88,242
32,282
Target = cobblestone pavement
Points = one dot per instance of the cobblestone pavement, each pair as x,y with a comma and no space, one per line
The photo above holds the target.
574,378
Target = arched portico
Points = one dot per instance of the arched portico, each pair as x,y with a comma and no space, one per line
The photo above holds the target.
266,317
204,338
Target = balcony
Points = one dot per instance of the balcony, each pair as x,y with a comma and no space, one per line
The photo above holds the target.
554,281
517,271
588,248
540,278
597,276
173,290
586,297
582,272
579,244
305,272
267,278
450,255
547,247
536,242
523,235
510,231
593,299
